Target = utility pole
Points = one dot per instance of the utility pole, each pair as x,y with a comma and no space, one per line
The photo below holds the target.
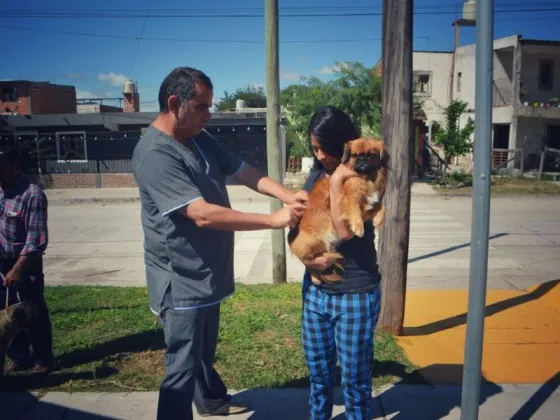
398,133
470,398
273,146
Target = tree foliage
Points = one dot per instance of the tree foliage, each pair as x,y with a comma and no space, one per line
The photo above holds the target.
455,140
254,97
355,89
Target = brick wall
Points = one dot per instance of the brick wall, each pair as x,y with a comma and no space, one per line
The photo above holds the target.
53,99
131,103
46,98
21,104
63,181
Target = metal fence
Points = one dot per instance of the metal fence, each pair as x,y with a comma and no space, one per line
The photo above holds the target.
111,151
75,152
549,162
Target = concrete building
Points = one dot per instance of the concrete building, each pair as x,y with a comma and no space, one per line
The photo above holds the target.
526,91
24,97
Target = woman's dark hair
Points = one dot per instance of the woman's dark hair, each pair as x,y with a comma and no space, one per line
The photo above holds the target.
332,128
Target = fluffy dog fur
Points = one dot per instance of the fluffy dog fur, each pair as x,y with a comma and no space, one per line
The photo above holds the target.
12,319
315,234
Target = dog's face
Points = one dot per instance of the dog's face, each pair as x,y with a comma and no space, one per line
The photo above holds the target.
365,156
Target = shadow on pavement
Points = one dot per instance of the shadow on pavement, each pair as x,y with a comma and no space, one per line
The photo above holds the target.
494,308
451,249
26,406
530,408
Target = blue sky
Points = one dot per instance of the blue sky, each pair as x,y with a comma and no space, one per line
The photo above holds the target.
99,65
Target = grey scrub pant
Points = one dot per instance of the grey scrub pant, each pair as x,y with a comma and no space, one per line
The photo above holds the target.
191,337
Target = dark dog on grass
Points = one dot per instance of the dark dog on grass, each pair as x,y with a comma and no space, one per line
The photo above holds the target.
12,319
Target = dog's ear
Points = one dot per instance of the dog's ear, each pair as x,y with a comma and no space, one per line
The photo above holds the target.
346,154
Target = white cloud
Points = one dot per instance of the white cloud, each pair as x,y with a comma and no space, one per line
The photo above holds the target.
113,79
333,68
290,75
85,94
258,85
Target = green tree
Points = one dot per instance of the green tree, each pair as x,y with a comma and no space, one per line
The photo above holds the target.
354,89
254,97
455,140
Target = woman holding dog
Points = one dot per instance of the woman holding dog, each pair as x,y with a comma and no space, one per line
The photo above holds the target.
339,318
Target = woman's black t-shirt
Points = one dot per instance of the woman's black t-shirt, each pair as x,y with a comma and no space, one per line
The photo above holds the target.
361,272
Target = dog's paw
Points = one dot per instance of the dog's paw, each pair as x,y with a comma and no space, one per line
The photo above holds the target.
357,227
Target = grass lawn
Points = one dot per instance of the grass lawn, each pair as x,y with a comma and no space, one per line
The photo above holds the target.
509,186
106,339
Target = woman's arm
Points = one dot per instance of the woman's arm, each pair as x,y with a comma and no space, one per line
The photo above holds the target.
338,178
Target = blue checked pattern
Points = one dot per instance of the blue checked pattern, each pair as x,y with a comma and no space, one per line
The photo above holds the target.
23,220
340,326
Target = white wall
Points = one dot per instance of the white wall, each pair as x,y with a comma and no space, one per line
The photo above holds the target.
439,65
502,115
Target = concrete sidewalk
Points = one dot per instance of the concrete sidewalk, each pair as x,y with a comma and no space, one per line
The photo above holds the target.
403,402
129,195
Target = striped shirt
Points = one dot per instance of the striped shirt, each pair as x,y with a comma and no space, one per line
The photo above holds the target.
23,220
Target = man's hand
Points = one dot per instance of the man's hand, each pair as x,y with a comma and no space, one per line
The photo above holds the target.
12,278
288,216
299,197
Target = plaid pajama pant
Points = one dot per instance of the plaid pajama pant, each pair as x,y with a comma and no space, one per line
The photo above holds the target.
342,326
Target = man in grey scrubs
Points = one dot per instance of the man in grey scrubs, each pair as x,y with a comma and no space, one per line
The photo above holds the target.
189,229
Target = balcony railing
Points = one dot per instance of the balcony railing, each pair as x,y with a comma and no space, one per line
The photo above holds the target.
533,92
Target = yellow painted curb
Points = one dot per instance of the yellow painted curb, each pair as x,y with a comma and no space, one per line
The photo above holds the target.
521,336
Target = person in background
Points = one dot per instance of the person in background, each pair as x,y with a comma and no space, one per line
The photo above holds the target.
339,318
23,240
189,226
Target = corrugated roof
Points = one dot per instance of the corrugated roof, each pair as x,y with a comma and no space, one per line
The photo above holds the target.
112,120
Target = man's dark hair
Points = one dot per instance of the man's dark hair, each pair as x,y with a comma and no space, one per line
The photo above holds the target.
181,82
10,155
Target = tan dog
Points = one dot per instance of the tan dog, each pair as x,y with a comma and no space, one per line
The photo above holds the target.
315,234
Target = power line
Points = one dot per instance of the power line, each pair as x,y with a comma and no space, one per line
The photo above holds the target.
168,14
226,41
437,6
139,40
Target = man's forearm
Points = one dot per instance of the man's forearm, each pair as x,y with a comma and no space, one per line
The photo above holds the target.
270,187
253,179
23,263
208,215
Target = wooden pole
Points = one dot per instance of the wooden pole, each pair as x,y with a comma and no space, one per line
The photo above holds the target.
273,146
398,133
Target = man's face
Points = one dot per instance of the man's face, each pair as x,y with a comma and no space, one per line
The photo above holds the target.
193,115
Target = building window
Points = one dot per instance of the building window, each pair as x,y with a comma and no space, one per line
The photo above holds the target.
9,94
421,83
459,76
71,146
546,74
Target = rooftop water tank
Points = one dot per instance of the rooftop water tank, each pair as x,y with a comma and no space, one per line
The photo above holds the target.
129,87
469,10
239,104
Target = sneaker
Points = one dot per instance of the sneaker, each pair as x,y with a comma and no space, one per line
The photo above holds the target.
228,409
40,369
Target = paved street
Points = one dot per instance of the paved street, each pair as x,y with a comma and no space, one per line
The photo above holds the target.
102,243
